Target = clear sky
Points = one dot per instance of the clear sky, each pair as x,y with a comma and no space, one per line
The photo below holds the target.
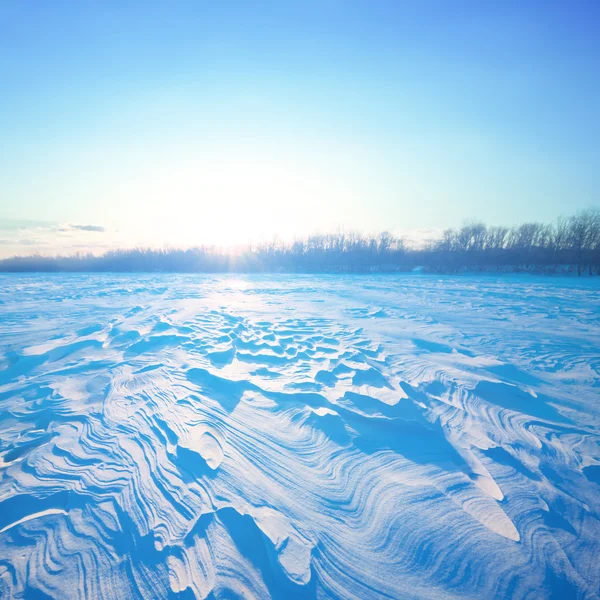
189,122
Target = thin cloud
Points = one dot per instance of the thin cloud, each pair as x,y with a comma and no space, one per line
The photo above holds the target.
21,237
68,227
20,224
97,228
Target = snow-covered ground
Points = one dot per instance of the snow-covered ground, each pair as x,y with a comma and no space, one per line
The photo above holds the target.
167,436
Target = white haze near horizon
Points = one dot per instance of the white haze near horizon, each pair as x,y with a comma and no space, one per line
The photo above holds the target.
26,238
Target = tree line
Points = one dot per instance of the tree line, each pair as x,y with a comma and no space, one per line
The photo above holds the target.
573,241
570,245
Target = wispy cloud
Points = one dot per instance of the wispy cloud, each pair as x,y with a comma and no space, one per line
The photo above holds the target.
19,237
69,227
20,224
27,242
89,228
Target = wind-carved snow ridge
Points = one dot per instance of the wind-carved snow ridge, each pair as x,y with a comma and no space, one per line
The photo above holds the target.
299,437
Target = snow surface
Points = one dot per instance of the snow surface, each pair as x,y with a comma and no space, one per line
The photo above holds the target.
166,436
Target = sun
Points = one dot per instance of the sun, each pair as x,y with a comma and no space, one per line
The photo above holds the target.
226,199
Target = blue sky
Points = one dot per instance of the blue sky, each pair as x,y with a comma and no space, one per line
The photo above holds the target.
187,122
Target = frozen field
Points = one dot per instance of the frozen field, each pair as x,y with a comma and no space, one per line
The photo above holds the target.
169,436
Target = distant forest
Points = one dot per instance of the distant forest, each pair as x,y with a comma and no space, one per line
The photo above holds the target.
571,245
